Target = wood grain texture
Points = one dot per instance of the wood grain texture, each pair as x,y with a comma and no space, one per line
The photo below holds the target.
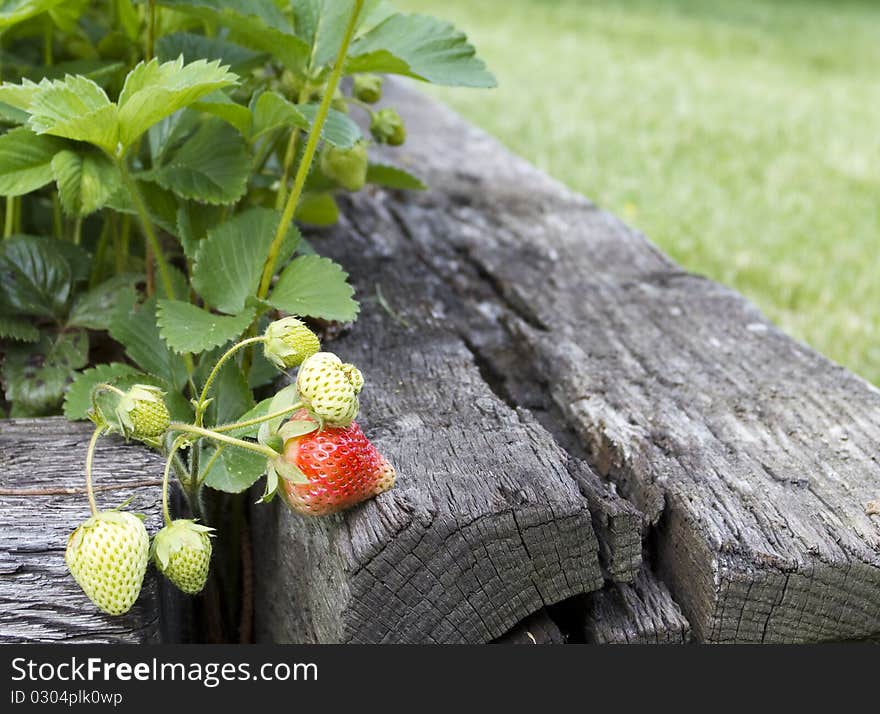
536,629
753,457
42,500
641,612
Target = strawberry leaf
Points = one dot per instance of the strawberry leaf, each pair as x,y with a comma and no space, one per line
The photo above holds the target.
393,177
13,12
315,287
18,329
257,24
26,161
318,209
138,332
230,260
339,129
35,278
272,111
195,47
187,328
153,91
75,108
212,166
86,180
422,47
37,375
97,308
78,399
236,470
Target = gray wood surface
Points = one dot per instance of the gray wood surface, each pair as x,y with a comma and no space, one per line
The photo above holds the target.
42,500
641,612
753,458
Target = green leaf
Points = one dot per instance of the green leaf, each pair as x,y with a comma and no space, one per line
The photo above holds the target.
284,398
393,177
97,308
19,96
213,166
272,111
161,204
229,262
236,470
297,427
19,329
255,412
321,23
36,278
195,47
26,161
11,115
318,209
188,328
37,375
257,24
139,334
86,180
316,287
422,47
75,108
232,395
153,91
339,129
78,399
221,106
194,220
13,12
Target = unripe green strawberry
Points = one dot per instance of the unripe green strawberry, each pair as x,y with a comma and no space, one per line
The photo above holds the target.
289,342
143,413
328,389
368,88
182,552
387,127
107,556
339,102
347,167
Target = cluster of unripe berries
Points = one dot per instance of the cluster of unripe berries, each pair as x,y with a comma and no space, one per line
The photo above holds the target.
325,461
348,166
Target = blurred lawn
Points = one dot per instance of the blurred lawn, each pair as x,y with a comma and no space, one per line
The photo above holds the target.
743,138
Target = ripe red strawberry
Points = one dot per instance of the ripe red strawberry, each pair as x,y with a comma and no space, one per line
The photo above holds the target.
342,466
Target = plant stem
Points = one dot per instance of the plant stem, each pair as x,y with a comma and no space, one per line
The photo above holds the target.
9,218
258,420
90,455
77,230
166,512
151,30
214,372
308,154
124,242
222,438
47,44
147,227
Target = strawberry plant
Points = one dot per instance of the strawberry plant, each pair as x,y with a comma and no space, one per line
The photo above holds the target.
158,162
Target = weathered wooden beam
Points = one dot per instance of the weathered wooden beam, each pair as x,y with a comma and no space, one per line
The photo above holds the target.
753,457
536,629
641,612
42,500
491,518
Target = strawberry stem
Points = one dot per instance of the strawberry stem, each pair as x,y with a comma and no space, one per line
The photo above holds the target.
222,438
201,406
166,512
305,164
90,455
259,420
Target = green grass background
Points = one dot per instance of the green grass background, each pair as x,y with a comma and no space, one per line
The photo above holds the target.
742,137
